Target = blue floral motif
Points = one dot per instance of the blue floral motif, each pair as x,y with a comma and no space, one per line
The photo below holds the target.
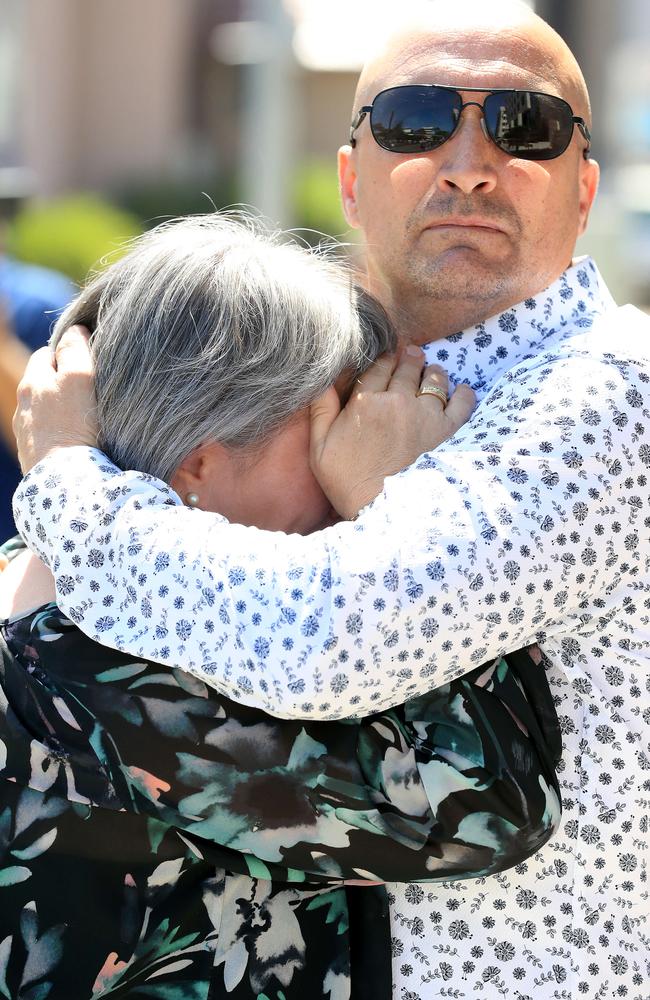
508,322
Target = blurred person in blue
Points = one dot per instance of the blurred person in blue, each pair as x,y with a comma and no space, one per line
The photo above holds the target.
31,299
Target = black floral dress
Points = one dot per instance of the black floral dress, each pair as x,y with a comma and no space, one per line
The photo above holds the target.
159,841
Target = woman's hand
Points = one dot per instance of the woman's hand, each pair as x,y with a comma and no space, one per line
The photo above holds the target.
56,400
391,418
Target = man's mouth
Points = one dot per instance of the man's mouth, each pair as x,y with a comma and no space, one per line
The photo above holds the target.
470,222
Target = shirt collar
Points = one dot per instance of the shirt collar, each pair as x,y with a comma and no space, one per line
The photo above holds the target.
482,353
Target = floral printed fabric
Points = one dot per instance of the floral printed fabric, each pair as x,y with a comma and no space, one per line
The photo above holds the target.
204,843
108,904
531,523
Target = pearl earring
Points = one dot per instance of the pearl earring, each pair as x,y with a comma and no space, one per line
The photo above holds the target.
192,499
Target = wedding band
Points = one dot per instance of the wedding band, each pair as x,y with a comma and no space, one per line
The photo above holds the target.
434,390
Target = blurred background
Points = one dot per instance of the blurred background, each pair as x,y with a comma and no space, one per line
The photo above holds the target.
115,114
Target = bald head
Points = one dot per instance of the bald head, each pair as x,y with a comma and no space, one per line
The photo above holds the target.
503,44
463,230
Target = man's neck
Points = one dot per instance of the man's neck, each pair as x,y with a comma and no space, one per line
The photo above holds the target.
423,323
423,319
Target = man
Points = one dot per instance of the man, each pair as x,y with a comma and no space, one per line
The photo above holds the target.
531,523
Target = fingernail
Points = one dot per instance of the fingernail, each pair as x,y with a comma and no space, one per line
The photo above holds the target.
414,351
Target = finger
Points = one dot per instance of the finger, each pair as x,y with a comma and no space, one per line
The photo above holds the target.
377,377
460,406
435,377
4,562
39,372
72,353
408,371
322,413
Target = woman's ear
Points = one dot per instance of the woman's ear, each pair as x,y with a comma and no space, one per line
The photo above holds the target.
201,475
188,476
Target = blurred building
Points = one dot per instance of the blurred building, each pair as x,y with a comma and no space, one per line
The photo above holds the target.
109,90
612,43
96,95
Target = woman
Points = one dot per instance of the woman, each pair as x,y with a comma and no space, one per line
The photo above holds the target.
210,841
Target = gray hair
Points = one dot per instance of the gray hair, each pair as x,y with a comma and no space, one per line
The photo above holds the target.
213,328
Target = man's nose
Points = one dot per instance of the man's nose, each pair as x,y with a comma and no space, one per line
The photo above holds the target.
467,160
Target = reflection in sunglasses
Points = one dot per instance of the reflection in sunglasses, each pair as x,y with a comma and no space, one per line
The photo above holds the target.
419,118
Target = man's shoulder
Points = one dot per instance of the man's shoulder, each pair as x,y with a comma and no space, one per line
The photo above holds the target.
626,319
611,350
620,334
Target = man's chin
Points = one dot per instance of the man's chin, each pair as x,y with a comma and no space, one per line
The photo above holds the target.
463,272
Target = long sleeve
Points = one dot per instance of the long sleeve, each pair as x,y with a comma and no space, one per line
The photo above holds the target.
514,531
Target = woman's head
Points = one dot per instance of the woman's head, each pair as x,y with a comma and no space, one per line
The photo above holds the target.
212,331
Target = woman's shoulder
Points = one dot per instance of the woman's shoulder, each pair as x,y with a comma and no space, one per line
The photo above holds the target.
26,584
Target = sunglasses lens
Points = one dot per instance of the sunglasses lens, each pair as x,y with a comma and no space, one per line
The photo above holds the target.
414,119
527,125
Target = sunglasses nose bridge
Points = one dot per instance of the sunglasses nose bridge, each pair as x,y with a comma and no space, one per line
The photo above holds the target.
471,104
481,107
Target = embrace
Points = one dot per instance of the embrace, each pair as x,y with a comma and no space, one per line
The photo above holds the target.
328,674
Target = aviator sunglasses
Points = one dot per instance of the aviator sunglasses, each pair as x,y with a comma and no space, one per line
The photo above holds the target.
523,123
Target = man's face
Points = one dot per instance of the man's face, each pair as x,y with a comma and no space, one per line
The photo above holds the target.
466,221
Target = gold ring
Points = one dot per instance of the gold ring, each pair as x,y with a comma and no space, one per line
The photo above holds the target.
434,390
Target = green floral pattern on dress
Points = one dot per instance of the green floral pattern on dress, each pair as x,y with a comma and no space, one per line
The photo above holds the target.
159,841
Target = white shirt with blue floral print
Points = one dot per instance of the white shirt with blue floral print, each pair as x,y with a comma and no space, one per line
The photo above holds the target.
531,524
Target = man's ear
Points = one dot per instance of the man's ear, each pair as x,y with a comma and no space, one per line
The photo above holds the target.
589,179
348,186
